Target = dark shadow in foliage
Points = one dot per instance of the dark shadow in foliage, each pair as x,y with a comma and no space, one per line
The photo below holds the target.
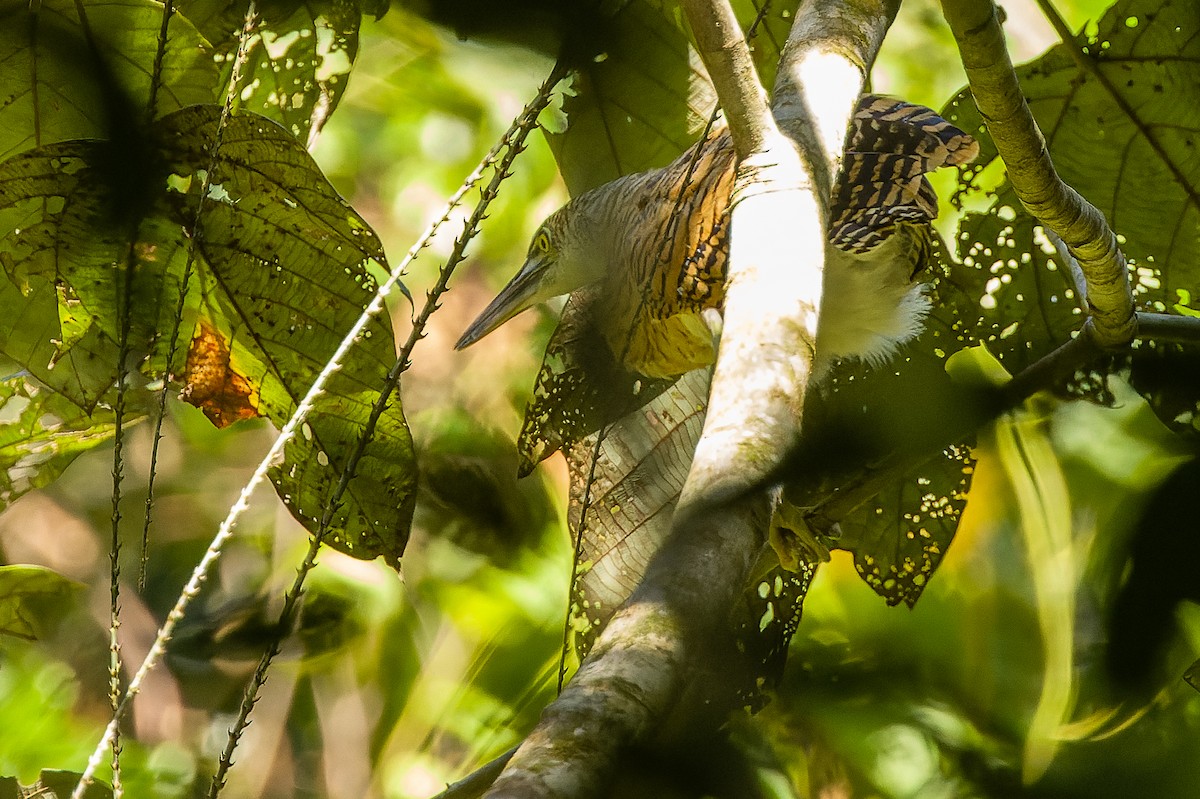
126,162
216,647
469,492
1164,570
924,411
1168,376
689,767
574,31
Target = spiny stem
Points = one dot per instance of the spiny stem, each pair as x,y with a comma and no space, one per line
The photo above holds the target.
151,111
512,144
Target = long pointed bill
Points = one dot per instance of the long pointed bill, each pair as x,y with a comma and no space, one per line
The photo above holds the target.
520,293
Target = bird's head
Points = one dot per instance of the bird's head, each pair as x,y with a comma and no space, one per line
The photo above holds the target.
565,255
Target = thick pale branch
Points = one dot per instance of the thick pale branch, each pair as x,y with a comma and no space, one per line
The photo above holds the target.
726,55
658,642
641,663
777,253
1020,143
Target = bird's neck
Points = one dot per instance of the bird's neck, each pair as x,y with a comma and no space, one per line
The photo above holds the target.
609,214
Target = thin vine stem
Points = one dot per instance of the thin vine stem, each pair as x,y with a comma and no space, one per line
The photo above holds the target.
120,702
511,144
124,312
177,320
124,282
215,547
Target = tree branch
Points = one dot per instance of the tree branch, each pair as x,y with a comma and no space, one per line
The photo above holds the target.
658,642
777,255
1020,143
726,56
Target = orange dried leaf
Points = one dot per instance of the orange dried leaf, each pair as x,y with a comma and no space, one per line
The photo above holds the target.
212,385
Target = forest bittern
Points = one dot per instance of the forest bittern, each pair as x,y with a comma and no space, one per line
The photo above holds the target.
663,267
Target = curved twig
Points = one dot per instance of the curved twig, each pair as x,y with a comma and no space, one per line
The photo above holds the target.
1081,225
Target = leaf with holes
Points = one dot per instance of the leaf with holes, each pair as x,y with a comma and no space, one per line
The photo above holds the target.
899,536
647,97
63,79
281,275
624,501
1018,297
41,433
1124,132
580,386
63,231
299,56
622,506
863,465
637,106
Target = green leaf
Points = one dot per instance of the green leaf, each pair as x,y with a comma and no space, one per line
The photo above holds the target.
41,432
637,106
770,35
60,245
298,58
31,598
1016,296
852,439
625,500
1127,140
62,80
647,97
899,536
580,387
281,276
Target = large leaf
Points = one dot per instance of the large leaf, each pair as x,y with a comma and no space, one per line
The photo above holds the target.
281,275
647,97
625,499
64,79
299,55
580,387
285,278
851,439
621,503
637,106
1126,135
60,247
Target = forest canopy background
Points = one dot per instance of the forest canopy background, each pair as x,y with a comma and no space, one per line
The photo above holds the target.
393,689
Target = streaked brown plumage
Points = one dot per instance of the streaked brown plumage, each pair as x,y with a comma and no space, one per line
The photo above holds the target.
661,269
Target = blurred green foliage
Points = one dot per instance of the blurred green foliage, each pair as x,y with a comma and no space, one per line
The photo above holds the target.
391,686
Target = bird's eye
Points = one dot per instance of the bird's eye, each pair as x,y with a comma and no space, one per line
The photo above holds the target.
541,242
